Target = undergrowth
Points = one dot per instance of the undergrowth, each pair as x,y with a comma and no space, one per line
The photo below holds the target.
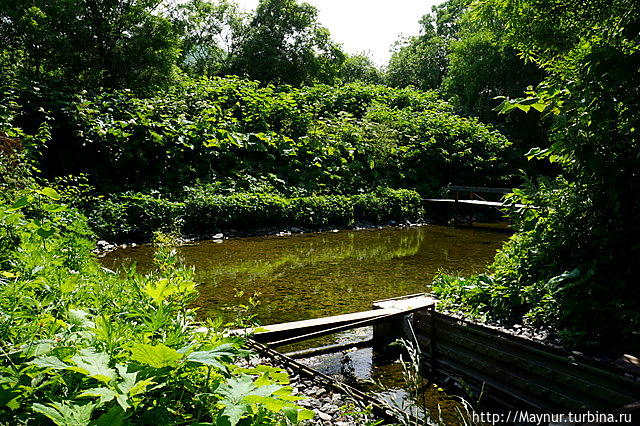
82,345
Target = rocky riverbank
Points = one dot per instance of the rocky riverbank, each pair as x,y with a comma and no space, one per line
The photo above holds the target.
103,247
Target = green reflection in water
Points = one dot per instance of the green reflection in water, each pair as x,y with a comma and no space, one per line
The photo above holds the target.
329,273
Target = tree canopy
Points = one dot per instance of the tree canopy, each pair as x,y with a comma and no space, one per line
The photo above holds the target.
116,43
285,44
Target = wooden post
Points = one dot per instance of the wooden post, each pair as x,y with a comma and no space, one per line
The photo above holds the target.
399,327
455,207
432,338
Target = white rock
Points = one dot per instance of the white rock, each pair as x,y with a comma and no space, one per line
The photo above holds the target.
323,416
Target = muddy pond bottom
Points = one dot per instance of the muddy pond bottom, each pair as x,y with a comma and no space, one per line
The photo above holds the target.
305,276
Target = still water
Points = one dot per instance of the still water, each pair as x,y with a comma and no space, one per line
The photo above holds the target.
313,275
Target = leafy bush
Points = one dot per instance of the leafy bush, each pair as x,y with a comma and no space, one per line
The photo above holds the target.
321,139
82,345
138,216
573,265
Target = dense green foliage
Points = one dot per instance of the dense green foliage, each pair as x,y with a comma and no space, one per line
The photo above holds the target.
360,68
78,96
143,45
84,44
209,33
311,140
83,345
573,264
463,51
483,65
284,44
419,61
202,211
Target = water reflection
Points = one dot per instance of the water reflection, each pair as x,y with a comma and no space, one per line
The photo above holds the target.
319,274
330,273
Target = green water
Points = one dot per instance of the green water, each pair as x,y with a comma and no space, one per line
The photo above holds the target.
328,273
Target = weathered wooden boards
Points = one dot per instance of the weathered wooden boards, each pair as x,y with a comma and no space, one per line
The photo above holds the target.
291,332
520,372
497,204
473,191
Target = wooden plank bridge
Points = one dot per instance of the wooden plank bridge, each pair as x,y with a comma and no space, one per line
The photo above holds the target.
474,199
385,311
516,372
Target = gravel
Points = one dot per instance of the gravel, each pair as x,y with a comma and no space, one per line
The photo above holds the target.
331,408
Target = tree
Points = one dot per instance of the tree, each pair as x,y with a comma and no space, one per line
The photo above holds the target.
484,65
359,68
285,44
209,32
92,43
419,61
575,261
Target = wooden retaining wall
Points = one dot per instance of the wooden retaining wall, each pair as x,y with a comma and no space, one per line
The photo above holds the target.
518,372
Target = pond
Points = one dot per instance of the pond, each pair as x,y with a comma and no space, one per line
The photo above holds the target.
313,275
320,274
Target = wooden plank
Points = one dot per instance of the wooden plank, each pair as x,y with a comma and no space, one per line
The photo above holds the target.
405,304
328,349
480,189
478,203
326,331
278,332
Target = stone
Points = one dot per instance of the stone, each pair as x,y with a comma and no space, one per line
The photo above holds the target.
323,416
329,408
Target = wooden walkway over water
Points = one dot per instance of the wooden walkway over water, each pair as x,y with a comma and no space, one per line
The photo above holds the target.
386,311
474,199
517,372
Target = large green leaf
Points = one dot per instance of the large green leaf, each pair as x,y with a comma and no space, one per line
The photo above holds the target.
19,203
160,290
130,385
9,395
49,362
94,365
233,413
238,393
233,393
45,232
80,319
49,192
105,394
213,357
116,416
270,403
66,414
157,356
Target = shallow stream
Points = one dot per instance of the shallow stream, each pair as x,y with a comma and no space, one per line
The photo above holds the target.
327,273
313,275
